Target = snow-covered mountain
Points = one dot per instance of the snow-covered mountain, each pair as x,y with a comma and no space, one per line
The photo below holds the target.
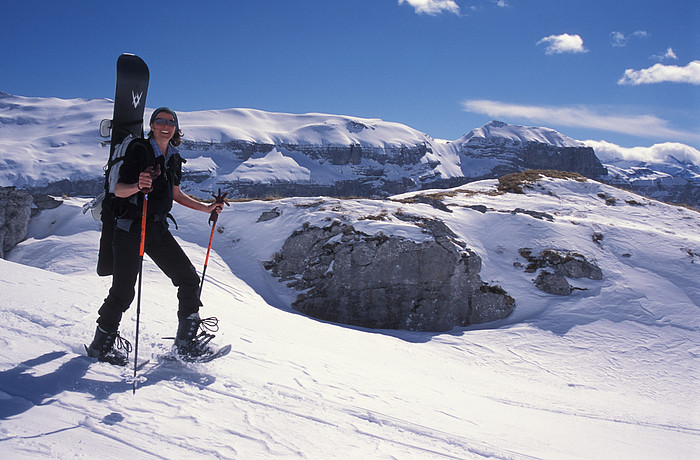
52,146
611,371
669,172
517,135
499,148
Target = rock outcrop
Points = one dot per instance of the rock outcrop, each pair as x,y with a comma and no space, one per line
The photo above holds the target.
15,211
388,282
555,266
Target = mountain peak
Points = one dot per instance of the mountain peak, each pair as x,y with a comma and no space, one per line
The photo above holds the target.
518,134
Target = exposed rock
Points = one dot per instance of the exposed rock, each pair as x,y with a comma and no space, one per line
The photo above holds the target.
558,265
42,202
350,154
491,303
570,263
553,282
366,187
388,282
91,187
535,214
575,159
435,203
269,215
478,207
15,211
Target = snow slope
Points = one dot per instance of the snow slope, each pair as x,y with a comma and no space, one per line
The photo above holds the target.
43,140
306,129
609,372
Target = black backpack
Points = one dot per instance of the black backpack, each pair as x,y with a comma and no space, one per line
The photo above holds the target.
103,206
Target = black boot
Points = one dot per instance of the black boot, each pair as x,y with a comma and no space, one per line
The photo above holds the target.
107,347
193,337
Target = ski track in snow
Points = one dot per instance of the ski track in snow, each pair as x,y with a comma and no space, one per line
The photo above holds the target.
610,372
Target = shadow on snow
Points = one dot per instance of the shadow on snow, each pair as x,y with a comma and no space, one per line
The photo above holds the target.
23,390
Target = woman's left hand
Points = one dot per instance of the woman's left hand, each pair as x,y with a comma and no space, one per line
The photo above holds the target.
218,207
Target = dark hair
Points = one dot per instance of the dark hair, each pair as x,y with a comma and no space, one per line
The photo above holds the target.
177,137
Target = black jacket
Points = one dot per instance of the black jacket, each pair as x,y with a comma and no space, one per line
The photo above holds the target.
138,157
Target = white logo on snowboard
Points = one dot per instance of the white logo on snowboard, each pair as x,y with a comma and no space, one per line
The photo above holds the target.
136,98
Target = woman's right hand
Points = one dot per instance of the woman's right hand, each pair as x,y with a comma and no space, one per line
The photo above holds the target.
145,182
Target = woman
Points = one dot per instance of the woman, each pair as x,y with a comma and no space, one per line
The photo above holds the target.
151,167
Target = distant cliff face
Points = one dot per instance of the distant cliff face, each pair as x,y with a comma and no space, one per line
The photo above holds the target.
489,152
575,159
370,171
337,155
373,171
333,170
509,158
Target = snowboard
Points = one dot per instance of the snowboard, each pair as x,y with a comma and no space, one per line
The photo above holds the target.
127,118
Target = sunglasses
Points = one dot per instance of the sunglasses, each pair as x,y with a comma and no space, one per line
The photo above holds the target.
163,121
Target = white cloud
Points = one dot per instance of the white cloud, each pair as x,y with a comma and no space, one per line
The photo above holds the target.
619,39
660,73
564,43
432,7
582,117
657,153
668,55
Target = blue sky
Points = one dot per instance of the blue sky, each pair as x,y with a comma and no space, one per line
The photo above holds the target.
625,71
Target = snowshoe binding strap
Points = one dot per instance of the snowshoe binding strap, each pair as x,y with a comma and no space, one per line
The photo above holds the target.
120,343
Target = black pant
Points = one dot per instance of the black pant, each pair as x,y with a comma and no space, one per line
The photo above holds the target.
167,254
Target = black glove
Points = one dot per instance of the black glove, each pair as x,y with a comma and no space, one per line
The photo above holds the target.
214,216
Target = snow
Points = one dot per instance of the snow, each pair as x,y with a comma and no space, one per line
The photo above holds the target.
519,135
39,135
302,129
609,372
264,168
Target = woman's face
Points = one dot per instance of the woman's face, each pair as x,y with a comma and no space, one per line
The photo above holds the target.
163,128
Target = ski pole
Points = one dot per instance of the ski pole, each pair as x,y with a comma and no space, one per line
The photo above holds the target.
142,247
213,218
